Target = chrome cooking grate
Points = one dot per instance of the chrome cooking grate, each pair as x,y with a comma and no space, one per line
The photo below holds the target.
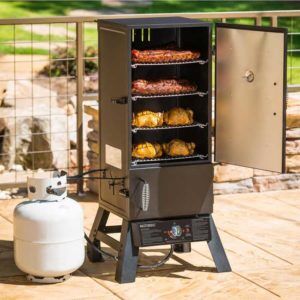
200,94
198,61
195,124
168,158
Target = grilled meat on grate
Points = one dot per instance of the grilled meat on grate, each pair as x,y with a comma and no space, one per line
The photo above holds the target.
163,55
178,148
147,150
178,116
147,119
162,87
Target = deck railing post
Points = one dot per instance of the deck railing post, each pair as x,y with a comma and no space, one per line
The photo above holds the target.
274,21
79,97
258,21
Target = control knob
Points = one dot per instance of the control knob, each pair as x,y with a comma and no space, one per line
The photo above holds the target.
176,231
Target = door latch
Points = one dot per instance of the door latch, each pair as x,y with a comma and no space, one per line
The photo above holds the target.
122,100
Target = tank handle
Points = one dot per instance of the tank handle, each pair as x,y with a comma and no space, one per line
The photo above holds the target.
53,188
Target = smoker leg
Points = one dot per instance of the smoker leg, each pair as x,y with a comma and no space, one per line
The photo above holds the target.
217,251
99,223
183,248
128,256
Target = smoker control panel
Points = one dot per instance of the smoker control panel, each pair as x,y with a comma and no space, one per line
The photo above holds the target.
161,232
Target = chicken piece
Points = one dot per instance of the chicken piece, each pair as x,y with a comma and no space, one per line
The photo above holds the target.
147,119
179,116
179,148
147,150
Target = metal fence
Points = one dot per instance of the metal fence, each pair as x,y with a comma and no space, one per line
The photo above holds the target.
48,69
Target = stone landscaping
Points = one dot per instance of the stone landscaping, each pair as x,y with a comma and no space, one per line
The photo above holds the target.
38,129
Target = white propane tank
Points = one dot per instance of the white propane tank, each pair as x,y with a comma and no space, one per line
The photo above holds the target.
48,231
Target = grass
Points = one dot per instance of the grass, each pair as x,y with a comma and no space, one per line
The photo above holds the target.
209,6
22,9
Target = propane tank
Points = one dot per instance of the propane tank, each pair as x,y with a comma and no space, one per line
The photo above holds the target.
48,231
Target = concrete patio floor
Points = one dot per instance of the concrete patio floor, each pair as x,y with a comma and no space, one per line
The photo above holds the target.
261,234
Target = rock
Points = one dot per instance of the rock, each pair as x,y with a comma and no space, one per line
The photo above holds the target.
293,102
92,155
93,124
70,109
293,147
276,182
293,99
293,163
5,195
54,120
262,173
2,168
25,89
293,133
223,173
94,163
2,124
93,186
33,150
93,146
73,159
16,168
293,117
5,144
72,121
243,186
91,81
3,91
93,136
92,108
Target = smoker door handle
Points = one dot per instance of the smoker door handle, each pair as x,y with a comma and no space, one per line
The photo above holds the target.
121,100
145,196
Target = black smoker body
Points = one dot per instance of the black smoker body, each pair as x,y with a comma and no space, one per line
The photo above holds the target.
170,200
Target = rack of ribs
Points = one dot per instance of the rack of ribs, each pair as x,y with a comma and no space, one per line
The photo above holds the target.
162,87
163,55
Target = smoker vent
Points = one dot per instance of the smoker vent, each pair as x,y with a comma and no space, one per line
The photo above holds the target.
198,61
200,94
195,124
168,158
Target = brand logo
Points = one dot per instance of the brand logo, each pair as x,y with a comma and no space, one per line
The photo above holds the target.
147,225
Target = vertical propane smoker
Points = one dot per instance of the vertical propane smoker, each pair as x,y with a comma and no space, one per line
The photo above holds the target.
156,128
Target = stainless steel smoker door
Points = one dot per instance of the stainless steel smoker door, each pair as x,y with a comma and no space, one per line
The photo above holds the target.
250,96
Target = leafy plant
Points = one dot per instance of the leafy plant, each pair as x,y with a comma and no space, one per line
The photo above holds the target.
63,62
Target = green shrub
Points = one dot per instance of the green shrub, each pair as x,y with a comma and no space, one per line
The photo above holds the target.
63,62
